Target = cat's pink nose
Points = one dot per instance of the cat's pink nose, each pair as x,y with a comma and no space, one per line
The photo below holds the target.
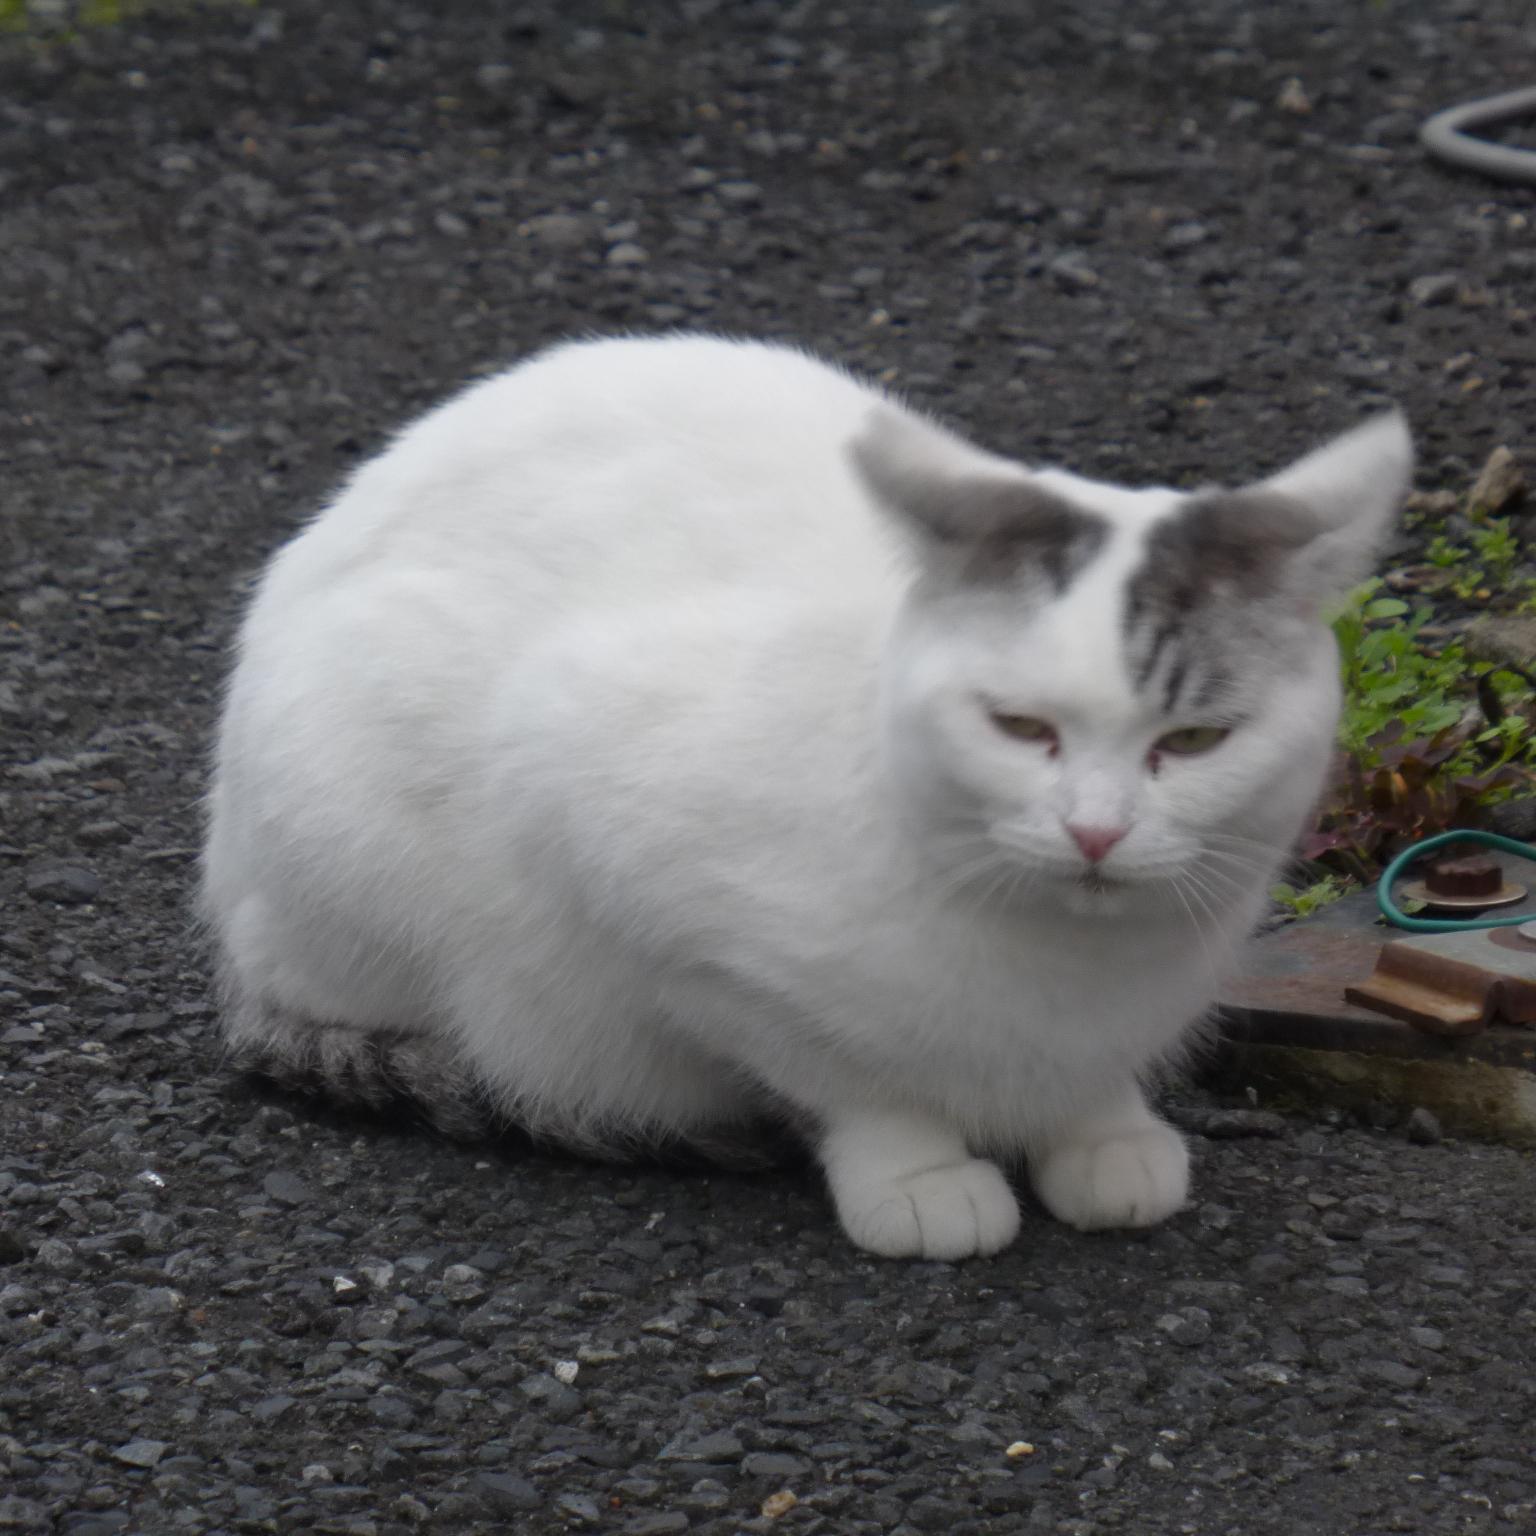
1095,841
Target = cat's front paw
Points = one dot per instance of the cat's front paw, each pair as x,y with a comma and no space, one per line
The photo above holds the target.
954,1212
1133,1180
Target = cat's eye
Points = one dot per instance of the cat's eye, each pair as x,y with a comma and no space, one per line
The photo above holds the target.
1024,727
1192,740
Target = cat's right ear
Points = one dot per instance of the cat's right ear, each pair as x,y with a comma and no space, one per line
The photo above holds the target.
976,514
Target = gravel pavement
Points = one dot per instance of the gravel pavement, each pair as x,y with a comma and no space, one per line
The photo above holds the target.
1154,241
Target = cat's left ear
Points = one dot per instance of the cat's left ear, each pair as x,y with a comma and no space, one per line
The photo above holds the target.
977,516
1352,490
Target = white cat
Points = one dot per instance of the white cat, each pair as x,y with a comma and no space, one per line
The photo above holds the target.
668,730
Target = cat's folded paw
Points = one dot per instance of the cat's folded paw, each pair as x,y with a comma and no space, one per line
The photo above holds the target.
955,1212
1134,1180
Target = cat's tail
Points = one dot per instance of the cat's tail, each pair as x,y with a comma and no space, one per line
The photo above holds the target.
384,1071
354,1067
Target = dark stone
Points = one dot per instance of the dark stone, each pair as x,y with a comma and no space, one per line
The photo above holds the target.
67,884
718,1446
662,1523
775,1465
559,1402
1392,1373
1515,818
1235,1124
503,1493
286,1189
388,1409
104,1522
578,1509
102,834
269,1409
1434,289
144,1454
18,1514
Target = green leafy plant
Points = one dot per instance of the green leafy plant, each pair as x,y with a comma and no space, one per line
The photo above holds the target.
1427,743
1391,677
1303,901
1489,562
1444,554
1465,577
1498,550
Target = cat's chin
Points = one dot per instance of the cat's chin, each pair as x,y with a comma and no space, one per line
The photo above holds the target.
1095,895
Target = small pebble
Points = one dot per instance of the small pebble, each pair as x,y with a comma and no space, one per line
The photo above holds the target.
719,1446
558,231
1293,98
774,1464
285,1188
67,884
1433,289
1500,484
672,1522
504,1493
464,1283
560,1403
1073,274
1235,1124
141,1453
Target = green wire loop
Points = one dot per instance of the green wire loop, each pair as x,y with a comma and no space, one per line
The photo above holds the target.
1390,911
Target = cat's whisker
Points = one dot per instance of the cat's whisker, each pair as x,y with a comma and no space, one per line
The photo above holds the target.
1206,901
1238,841
973,857
1176,884
1234,880
1259,868
1206,897
1228,888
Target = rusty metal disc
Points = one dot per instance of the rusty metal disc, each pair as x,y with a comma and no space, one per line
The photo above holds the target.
1506,895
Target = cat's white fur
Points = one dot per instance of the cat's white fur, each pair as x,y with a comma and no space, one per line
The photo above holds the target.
611,734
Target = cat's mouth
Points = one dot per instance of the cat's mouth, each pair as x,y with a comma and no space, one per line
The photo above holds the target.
1100,884
1093,894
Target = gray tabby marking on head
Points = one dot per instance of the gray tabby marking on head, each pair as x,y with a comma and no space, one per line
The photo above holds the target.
1006,532
1191,607
999,528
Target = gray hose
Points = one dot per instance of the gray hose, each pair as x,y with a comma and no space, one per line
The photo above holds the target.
1446,138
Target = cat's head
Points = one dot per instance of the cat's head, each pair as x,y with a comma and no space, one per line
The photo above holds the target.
1111,696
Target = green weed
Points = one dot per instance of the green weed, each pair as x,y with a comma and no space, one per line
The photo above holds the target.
1428,740
1303,901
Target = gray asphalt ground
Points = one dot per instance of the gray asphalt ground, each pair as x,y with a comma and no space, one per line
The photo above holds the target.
237,245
